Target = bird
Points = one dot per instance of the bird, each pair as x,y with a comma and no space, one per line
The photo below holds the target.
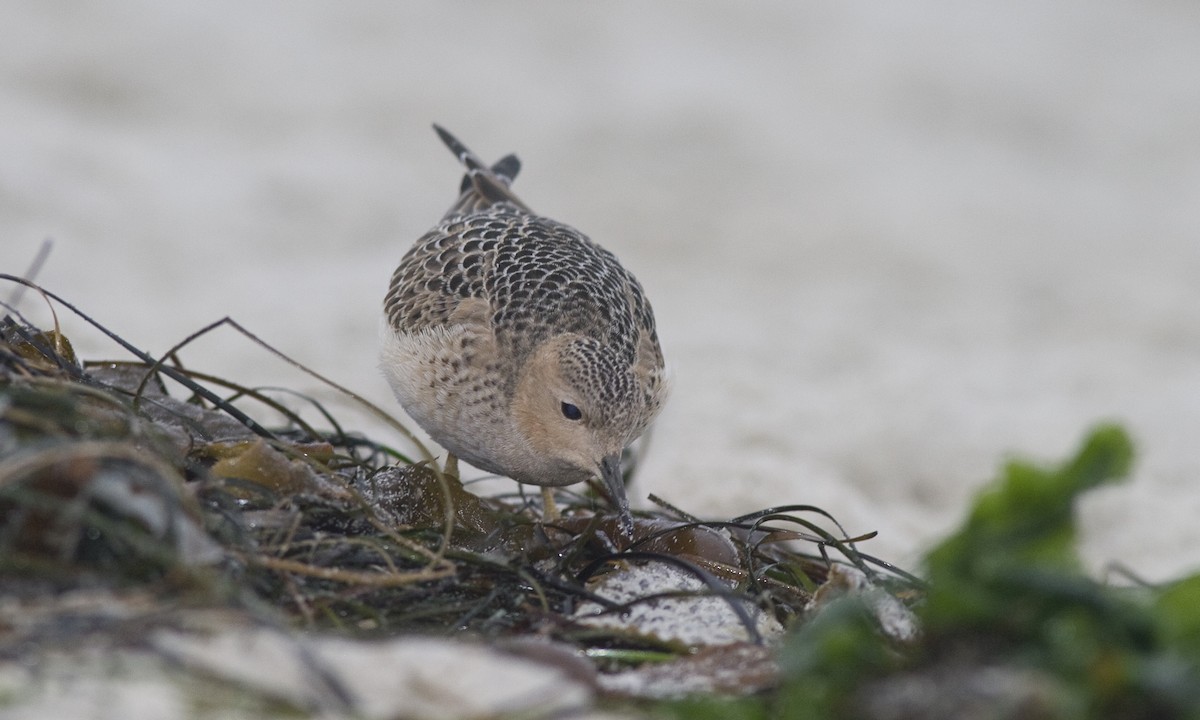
520,345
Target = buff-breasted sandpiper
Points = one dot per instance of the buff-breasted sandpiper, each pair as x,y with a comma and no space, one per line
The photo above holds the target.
520,345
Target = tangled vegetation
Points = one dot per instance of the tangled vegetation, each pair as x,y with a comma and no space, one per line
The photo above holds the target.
143,478
146,473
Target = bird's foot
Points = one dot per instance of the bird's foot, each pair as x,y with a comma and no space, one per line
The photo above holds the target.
549,507
450,469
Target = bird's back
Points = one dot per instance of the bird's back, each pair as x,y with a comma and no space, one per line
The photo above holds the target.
538,277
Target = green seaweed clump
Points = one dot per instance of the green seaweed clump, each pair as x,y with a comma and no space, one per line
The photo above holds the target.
1011,625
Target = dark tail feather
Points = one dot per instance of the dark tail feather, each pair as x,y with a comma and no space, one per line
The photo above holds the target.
462,152
507,167
482,185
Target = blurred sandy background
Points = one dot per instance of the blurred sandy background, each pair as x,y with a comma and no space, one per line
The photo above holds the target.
888,245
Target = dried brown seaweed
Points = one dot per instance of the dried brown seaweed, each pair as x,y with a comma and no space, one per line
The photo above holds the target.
144,472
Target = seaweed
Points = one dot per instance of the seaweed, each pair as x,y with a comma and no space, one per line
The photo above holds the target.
134,490
1010,624
144,473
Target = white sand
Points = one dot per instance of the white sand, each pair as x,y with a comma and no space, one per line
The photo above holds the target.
888,246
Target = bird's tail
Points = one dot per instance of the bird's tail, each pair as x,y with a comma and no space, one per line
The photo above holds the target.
482,186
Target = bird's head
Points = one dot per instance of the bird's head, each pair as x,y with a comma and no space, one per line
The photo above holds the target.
579,403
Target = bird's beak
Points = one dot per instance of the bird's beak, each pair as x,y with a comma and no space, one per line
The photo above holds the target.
610,472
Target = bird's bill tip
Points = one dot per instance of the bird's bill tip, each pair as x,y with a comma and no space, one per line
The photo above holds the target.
610,473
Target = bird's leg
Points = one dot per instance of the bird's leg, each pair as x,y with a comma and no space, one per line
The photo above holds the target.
549,508
451,467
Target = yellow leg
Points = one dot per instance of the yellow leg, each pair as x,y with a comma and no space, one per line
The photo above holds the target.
549,508
451,467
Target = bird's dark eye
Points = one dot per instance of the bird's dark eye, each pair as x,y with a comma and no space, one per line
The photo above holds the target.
571,412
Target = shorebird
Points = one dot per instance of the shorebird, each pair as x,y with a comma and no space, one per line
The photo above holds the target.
519,344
